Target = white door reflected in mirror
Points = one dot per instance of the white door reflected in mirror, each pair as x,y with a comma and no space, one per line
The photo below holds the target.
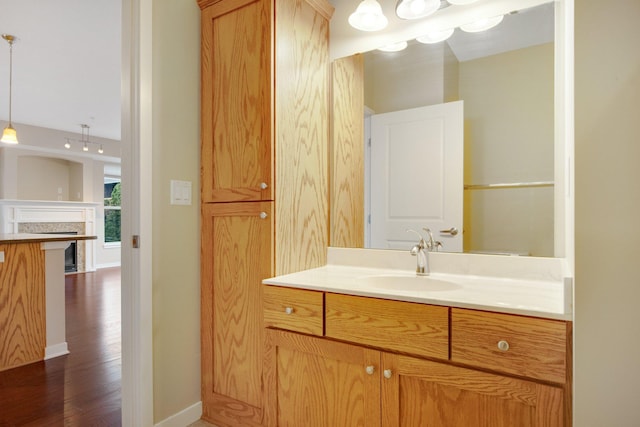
417,172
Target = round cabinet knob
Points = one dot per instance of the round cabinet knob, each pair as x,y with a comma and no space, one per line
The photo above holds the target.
263,186
370,369
503,345
263,215
387,373
288,310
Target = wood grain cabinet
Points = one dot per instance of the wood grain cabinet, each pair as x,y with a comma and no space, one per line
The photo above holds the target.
264,180
382,363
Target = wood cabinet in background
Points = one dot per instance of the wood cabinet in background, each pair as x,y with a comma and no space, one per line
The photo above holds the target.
22,304
264,180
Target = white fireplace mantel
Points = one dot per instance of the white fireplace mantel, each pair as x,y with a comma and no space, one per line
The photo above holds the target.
16,212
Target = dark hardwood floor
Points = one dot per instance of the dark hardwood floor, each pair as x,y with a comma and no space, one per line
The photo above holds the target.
83,387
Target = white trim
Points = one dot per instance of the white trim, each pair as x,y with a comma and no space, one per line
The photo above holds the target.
107,265
136,295
56,350
183,418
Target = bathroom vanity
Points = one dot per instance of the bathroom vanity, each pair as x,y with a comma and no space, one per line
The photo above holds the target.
472,346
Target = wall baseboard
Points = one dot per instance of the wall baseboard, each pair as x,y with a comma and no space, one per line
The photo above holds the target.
183,418
56,350
107,265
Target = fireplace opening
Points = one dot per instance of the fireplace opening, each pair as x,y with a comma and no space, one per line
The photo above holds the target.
70,253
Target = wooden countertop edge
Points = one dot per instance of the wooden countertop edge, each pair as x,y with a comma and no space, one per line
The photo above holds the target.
39,238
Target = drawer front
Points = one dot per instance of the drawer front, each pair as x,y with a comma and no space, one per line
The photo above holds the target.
293,309
406,327
531,347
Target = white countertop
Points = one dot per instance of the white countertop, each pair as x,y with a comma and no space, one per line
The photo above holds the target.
536,293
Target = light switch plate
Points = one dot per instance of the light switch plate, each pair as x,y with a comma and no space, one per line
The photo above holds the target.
180,192
1,256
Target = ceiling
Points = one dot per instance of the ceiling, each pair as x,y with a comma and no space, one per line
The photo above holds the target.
66,64
66,58
512,33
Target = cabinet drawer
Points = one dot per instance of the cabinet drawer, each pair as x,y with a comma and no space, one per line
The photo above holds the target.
531,347
406,327
293,309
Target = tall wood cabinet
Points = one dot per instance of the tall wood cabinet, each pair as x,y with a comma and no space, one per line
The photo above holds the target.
264,180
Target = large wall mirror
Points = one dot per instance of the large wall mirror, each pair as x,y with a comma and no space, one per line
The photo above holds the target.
511,176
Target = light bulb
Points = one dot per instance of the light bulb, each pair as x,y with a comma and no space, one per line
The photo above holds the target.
368,17
100,150
394,47
482,24
414,9
435,36
67,145
84,147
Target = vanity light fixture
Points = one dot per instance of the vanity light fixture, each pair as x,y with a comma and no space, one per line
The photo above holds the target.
482,24
394,47
458,2
368,17
435,36
9,134
414,9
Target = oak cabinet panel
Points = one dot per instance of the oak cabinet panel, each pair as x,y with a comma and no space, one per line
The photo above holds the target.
519,345
22,305
426,393
236,101
236,255
294,309
413,328
313,382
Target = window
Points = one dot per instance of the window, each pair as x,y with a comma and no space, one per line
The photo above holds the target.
111,210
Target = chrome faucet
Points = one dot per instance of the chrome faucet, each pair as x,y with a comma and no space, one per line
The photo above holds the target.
421,251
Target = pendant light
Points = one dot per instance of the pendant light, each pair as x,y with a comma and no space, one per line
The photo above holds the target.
394,47
368,17
9,134
85,140
414,9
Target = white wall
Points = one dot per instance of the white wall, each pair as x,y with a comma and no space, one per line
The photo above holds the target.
607,158
176,229
39,151
509,137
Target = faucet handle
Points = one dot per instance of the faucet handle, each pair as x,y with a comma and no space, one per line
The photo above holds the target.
421,242
431,244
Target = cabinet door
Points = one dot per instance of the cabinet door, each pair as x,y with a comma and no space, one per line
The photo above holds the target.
424,393
314,382
237,254
237,150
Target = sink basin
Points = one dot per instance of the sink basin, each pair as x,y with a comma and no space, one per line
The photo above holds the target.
408,283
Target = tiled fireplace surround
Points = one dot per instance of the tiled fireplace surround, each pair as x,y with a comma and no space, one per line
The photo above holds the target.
25,216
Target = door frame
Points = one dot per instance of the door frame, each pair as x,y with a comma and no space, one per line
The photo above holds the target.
136,293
